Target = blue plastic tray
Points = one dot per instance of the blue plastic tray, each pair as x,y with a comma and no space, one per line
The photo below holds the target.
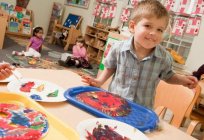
140,117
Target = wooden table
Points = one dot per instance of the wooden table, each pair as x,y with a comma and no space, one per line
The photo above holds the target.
71,115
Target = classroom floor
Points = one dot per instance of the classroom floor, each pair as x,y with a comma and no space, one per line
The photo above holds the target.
18,44
47,60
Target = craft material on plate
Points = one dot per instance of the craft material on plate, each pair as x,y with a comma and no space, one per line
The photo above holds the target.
18,122
38,90
106,129
104,132
106,102
27,86
53,94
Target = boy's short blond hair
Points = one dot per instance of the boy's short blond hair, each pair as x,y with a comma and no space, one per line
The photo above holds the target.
148,9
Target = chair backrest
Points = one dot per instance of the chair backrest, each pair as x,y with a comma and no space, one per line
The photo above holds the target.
176,98
195,102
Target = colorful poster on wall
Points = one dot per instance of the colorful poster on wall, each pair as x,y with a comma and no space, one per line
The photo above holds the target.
183,6
193,26
22,3
78,3
196,7
179,26
172,5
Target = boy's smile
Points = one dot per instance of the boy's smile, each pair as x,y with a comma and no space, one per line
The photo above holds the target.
148,32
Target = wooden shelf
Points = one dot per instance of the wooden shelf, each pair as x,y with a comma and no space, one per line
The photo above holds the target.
60,26
90,35
94,38
19,34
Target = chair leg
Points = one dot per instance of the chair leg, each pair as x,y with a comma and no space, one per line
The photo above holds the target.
192,126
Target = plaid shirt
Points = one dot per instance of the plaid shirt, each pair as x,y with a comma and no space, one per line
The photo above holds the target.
136,79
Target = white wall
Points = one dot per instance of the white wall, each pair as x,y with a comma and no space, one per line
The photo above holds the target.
196,56
42,12
85,13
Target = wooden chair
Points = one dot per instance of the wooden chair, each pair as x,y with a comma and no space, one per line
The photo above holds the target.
176,98
196,114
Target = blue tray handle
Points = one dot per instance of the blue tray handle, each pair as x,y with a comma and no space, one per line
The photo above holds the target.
76,90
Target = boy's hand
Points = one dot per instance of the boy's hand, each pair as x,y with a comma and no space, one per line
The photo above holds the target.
88,80
5,70
190,82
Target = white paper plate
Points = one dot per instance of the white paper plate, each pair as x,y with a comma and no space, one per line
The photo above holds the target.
14,86
121,128
12,77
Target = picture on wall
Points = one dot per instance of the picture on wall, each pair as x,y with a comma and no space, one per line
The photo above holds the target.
22,3
78,3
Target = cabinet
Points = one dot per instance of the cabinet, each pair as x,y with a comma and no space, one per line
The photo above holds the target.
72,34
95,40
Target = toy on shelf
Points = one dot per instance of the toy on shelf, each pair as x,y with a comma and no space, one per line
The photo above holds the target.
13,25
102,35
26,26
100,25
178,58
113,29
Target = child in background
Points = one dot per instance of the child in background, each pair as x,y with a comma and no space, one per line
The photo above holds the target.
79,58
34,47
138,64
5,70
199,72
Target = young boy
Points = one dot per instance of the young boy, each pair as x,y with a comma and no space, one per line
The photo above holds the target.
140,62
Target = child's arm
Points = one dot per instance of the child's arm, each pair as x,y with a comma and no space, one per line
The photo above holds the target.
82,52
187,81
29,44
99,81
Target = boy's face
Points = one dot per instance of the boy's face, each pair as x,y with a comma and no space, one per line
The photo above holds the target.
148,32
